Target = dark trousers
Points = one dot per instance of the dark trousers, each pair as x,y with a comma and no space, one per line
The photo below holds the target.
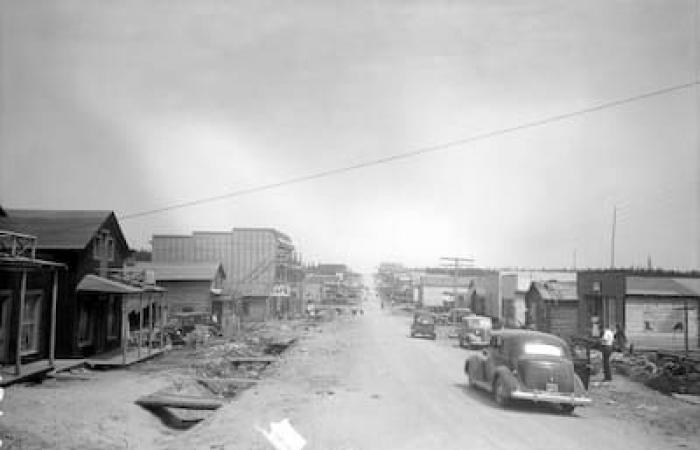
607,350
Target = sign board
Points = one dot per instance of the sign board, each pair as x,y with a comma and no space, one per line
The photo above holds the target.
281,290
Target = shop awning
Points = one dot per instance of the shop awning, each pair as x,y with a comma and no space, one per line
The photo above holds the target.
95,283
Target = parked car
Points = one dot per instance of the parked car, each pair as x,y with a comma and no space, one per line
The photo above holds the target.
456,315
527,365
423,325
474,331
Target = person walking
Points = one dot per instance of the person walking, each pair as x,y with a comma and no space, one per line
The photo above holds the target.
607,343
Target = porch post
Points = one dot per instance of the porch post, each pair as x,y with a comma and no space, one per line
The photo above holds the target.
150,321
125,325
52,330
138,352
163,302
22,294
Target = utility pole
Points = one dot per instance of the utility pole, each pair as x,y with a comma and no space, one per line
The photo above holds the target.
612,239
574,266
456,263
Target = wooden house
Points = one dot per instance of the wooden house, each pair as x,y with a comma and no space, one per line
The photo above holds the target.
93,307
552,307
28,295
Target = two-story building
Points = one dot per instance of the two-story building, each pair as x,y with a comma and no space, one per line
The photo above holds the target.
98,309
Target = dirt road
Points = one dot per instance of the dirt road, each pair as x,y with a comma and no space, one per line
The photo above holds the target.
362,383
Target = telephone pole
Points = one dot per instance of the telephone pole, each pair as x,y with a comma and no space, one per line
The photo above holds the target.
456,263
612,239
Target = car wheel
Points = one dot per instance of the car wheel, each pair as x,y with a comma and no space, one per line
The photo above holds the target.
500,392
566,409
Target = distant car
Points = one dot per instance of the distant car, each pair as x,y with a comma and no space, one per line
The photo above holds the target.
456,315
474,331
423,325
527,365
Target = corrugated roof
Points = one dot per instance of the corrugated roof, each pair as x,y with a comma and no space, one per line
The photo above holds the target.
659,286
56,229
556,290
690,283
205,271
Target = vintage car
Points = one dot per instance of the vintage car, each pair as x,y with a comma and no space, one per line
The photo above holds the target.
527,365
456,315
474,331
423,325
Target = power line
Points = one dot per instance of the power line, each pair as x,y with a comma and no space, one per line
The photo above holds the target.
418,152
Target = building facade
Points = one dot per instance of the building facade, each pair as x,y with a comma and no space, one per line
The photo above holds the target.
262,269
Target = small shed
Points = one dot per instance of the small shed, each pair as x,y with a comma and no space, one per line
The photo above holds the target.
552,307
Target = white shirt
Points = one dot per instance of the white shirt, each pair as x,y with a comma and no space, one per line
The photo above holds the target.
608,337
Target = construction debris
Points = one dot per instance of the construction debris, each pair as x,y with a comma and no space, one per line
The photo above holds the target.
664,372
178,401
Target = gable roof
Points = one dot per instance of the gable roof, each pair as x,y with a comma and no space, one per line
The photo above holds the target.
661,286
56,229
556,290
205,271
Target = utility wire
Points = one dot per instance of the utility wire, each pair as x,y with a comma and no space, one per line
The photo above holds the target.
418,152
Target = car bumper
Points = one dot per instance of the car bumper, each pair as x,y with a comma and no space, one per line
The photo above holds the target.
550,397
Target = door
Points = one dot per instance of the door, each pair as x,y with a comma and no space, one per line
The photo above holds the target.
31,322
5,301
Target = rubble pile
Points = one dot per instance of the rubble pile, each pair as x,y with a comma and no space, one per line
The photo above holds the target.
638,367
676,375
667,373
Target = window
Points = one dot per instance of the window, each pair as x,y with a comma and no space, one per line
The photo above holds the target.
103,246
595,286
110,248
532,348
30,322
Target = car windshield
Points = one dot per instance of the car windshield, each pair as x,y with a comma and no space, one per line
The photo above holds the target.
535,348
425,320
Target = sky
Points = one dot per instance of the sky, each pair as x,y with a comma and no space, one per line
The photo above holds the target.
132,106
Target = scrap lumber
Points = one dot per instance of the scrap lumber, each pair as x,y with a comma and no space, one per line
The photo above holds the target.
238,381
178,401
253,359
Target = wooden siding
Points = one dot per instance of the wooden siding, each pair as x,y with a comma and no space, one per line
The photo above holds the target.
651,320
186,296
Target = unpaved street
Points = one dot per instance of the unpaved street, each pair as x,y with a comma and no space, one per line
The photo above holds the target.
361,383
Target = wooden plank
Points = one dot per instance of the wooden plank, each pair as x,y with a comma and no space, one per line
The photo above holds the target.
178,401
241,381
253,359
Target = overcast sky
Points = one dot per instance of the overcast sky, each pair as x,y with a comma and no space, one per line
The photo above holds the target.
136,105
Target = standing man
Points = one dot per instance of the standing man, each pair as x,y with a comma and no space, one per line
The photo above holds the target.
607,343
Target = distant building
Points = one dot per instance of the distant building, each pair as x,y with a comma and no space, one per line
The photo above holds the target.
513,295
261,266
655,309
552,307
192,287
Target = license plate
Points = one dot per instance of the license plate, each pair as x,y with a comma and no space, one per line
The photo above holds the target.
552,387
